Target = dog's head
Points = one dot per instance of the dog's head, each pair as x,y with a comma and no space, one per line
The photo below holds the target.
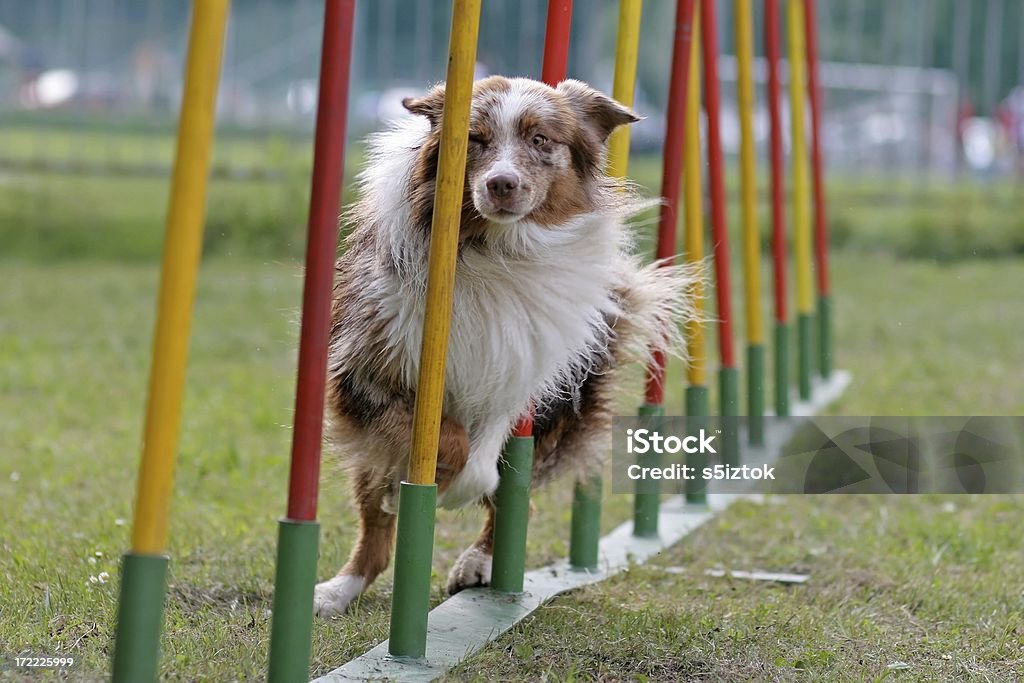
535,152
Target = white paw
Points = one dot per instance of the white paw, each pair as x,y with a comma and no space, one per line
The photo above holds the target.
473,568
332,598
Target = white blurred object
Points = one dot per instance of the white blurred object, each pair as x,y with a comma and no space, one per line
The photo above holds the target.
979,140
53,88
882,128
301,96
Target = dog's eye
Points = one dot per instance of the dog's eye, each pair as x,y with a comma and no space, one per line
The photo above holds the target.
539,140
478,139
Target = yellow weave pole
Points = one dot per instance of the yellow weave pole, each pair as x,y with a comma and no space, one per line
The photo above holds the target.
801,192
801,177
182,248
693,211
627,48
144,568
748,210
417,502
697,395
444,242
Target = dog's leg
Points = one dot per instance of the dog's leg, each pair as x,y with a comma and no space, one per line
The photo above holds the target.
473,568
372,488
369,556
452,451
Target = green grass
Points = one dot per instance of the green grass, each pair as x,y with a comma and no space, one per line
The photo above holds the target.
128,147
57,174
74,350
901,588
54,217
925,326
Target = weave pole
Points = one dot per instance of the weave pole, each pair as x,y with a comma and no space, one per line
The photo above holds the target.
728,376
627,54
556,42
298,532
512,499
417,502
585,530
586,504
772,44
645,512
751,235
693,207
627,51
144,567
820,213
512,509
801,197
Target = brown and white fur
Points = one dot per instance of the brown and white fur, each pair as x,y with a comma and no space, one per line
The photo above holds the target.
549,301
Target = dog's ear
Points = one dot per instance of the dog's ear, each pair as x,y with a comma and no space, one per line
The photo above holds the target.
430,105
600,111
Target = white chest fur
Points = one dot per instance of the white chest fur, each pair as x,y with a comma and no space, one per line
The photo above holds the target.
519,324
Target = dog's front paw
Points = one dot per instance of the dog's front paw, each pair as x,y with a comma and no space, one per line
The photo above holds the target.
332,598
473,568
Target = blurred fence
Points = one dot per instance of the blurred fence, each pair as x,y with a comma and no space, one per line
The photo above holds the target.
919,87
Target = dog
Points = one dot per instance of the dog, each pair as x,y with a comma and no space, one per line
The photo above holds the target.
549,303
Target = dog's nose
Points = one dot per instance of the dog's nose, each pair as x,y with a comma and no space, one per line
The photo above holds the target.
502,185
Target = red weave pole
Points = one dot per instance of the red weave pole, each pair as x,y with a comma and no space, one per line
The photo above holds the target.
672,170
773,50
321,245
556,42
716,171
556,63
814,86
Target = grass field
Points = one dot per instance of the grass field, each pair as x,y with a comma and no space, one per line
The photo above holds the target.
895,582
96,212
929,320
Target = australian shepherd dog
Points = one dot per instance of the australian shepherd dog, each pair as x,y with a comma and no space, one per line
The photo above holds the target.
549,303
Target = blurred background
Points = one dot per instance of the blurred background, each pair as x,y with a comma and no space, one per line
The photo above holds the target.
918,94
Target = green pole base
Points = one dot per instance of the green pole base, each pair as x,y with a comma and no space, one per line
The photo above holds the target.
139,617
696,419
755,394
410,599
782,369
647,499
804,332
729,393
291,629
585,535
512,515
825,336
